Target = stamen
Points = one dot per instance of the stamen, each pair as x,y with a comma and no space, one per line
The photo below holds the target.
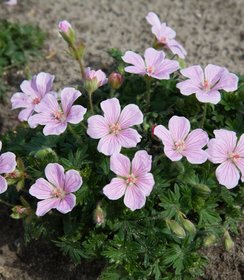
131,180
150,70
36,101
179,146
115,129
58,193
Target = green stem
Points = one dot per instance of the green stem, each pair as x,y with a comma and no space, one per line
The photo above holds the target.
6,203
90,102
148,92
112,92
204,115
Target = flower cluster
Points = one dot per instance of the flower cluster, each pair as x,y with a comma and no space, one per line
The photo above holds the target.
115,128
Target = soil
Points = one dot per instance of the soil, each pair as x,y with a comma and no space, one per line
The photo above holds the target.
212,31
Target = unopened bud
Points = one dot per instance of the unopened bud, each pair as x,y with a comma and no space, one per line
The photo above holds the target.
189,226
202,189
99,215
64,26
176,228
229,243
66,31
20,211
209,240
115,80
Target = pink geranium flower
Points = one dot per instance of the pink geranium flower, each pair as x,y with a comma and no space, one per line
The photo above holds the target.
32,93
114,129
165,35
206,84
94,79
134,180
155,64
54,116
225,150
57,191
7,165
178,142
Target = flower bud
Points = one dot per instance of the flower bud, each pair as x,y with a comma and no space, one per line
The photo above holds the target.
20,211
99,215
202,189
115,80
66,31
64,26
229,243
176,228
189,226
152,130
209,240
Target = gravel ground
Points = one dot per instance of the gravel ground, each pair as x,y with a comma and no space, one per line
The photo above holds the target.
212,31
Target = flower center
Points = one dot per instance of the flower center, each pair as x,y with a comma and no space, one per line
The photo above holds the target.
36,101
131,180
115,129
58,193
234,157
206,85
59,116
179,145
150,70
162,40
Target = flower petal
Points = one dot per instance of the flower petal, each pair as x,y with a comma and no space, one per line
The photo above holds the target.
49,104
227,138
54,128
3,184
46,205
130,115
172,154
134,59
187,87
135,70
128,138
66,204
165,68
153,19
44,82
228,81
27,88
145,183
72,181
195,73
240,146
7,162
20,100
141,163
120,165
25,114
153,57
115,189
164,135
213,73
76,114
227,174
68,97
111,109
42,189
39,119
212,96
55,174
97,127
109,145
134,198
177,48
179,127
195,156
196,139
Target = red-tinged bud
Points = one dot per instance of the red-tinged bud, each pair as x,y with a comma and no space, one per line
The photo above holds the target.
152,130
115,80
64,26
20,211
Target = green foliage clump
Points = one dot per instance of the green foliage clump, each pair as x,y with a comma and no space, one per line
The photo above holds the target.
17,43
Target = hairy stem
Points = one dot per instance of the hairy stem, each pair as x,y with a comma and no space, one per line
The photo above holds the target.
204,115
6,203
90,102
148,93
